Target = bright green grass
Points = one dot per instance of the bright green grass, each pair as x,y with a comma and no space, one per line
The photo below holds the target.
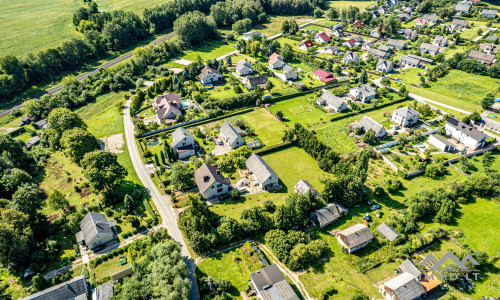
301,109
106,123
273,25
327,23
346,4
315,27
30,25
266,127
109,267
24,136
225,266
101,103
291,165
456,88
213,50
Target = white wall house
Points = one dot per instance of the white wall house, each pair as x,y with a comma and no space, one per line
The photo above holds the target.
183,143
262,172
465,134
405,116
231,136
210,182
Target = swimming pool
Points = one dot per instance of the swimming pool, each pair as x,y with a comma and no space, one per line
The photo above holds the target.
185,103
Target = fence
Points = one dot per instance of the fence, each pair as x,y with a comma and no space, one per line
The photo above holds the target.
390,163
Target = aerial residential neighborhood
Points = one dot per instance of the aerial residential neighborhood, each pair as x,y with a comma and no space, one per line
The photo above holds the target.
268,150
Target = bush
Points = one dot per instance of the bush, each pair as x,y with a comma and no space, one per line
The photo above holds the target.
378,191
393,185
136,194
235,194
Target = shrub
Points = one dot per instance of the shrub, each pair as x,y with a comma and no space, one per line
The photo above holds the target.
136,194
392,185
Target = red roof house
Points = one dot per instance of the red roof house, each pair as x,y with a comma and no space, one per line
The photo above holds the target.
324,76
304,45
321,37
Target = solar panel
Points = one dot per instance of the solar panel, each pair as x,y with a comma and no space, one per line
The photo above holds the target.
453,121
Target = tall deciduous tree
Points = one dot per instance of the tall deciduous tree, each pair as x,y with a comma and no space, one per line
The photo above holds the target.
181,175
77,142
103,170
15,237
57,200
27,199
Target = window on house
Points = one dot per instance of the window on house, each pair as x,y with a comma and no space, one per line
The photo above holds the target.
219,190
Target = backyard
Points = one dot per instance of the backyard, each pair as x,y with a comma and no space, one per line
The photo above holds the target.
301,109
210,50
266,127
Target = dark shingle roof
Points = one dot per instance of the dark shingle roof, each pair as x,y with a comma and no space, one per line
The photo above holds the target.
94,224
206,175
272,285
105,291
328,214
75,288
388,232
466,129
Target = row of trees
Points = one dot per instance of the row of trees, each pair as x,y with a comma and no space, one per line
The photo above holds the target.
459,61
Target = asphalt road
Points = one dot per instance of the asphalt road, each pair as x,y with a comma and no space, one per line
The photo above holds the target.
85,75
162,203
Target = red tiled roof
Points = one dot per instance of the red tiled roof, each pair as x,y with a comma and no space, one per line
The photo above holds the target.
274,57
307,43
324,36
324,75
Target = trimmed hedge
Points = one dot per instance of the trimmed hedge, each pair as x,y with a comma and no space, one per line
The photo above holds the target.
150,211
273,148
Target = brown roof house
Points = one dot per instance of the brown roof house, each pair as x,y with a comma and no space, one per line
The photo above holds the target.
328,214
257,81
262,172
489,48
183,143
270,284
167,107
355,237
210,181
95,230
209,75
485,59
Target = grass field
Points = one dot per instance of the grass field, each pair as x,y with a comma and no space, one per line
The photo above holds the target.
110,267
265,126
30,25
346,4
301,110
212,50
456,88
291,165
225,266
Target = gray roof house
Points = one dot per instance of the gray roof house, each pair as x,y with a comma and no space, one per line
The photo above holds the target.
489,13
167,107
409,267
365,93
331,49
74,289
377,53
462,7
32,141
331,102
231,136
388,232
95,230
403,287
384,66
485,59
328,214
460,23
270,284
262,172
337,30
183,143
410,34
428,48
103,292
405,116
398,44
289,73
243,68
210,181
465,134
440,40
414,60
355,237
350,56
303,187
440,143
367,123
257,81
385,48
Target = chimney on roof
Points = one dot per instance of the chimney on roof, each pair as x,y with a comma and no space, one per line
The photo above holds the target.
218,172
206,178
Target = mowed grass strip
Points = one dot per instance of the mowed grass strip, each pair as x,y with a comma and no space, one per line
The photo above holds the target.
211,50
346,4
266,127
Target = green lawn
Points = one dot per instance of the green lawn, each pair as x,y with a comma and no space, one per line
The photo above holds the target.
212,50
225,266
302,110
109,267
24,136
30,25
291,165
456,88
265,126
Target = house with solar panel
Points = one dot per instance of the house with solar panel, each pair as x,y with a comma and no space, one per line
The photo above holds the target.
74,289
270,284
465,134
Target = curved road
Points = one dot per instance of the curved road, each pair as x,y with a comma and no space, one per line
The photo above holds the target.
85,75
162,203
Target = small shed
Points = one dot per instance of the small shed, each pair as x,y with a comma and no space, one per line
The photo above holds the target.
388,232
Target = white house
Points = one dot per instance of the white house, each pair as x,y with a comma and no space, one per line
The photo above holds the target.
231,136
440,143
385,66
331,102
303,187
428,48
209,75
289,73
183,143
262,172
95,230
404,286
248,35
304,45
210,181
243,68
337,30
355,237
365,93
465,134
489,13
350,56
440,41
167,107
321,38
276,61
405,116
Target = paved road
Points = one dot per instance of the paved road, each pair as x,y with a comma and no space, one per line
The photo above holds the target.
162,203
85,75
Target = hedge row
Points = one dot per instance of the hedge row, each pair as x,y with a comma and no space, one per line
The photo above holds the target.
273,148
105,257
127,234
150,211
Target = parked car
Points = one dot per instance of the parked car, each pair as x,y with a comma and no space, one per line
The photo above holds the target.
219,142
374,207
97,248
